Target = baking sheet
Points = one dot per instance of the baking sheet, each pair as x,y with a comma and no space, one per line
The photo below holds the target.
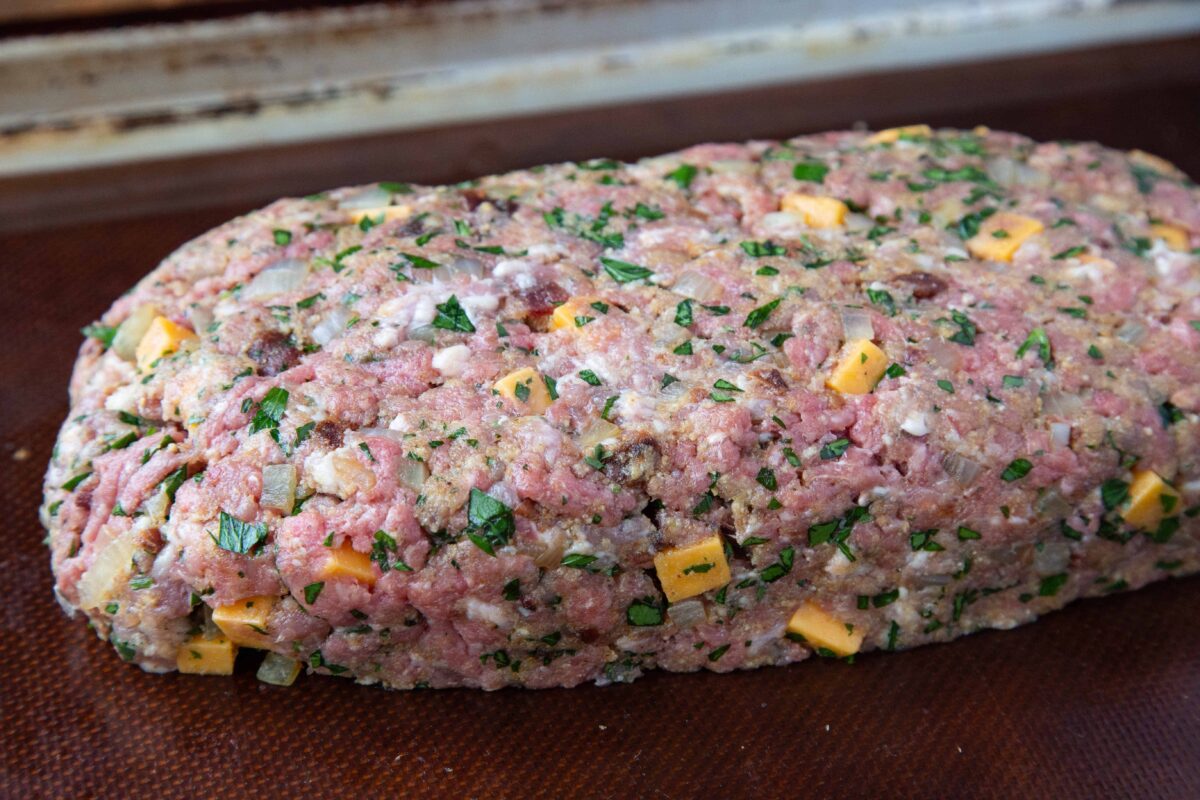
1099,700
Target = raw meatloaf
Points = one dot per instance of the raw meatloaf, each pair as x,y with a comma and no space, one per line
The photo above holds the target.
724,408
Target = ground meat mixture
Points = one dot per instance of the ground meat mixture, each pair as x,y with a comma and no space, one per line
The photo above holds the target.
724,408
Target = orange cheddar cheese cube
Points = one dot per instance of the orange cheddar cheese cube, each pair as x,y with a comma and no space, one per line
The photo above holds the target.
346,562
892,135
1175,236
163,337
688,571
203,656
1151,499
1001,234
380,214
526,388
816,211
245,622
569,315
821,630
859,369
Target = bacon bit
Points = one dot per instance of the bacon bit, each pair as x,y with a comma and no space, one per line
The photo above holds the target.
329,432
772,378
924,285
273,353
474,198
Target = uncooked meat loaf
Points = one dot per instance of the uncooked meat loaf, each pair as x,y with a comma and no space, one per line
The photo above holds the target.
720,409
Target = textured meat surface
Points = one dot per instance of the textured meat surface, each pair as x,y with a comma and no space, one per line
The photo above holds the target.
687,397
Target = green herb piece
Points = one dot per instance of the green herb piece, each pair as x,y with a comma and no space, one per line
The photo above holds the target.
103,334
1113,492
683,175
270,410
923,540
623,271
883,298
589,377
578,560
766,477
1050,584
1070,252
452,317
1037,338
966,534
237,536
966,329
885,598
491,522
644,612
1017,468
763,249
683,313
312,591
834,449
282,237
810,170
759,315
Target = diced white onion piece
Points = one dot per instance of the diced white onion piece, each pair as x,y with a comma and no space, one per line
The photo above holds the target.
200,317
374,197
915,424
278,670
1131,332
279,278
279,487
859,222
598,431
130,332
157,505
1053,504
465,265
697,286
111,565
1052,557
687,614
856,324
962,469
423,333
945,354
1060,433
332,326
551,556
412,474
1061,404
386,433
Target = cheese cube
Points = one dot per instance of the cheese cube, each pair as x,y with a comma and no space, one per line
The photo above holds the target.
1150,500
891,135
526,388
161,338
1175,236
346,562
859,369
245,621
823,631
380,214
688,571
1001,234
201,656
817,212
564,315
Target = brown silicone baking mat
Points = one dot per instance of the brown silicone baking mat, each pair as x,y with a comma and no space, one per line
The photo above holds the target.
1100,700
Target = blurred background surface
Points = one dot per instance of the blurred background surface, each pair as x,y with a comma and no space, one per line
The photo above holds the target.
119,108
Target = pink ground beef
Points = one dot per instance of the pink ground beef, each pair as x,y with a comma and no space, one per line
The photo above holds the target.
718,320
